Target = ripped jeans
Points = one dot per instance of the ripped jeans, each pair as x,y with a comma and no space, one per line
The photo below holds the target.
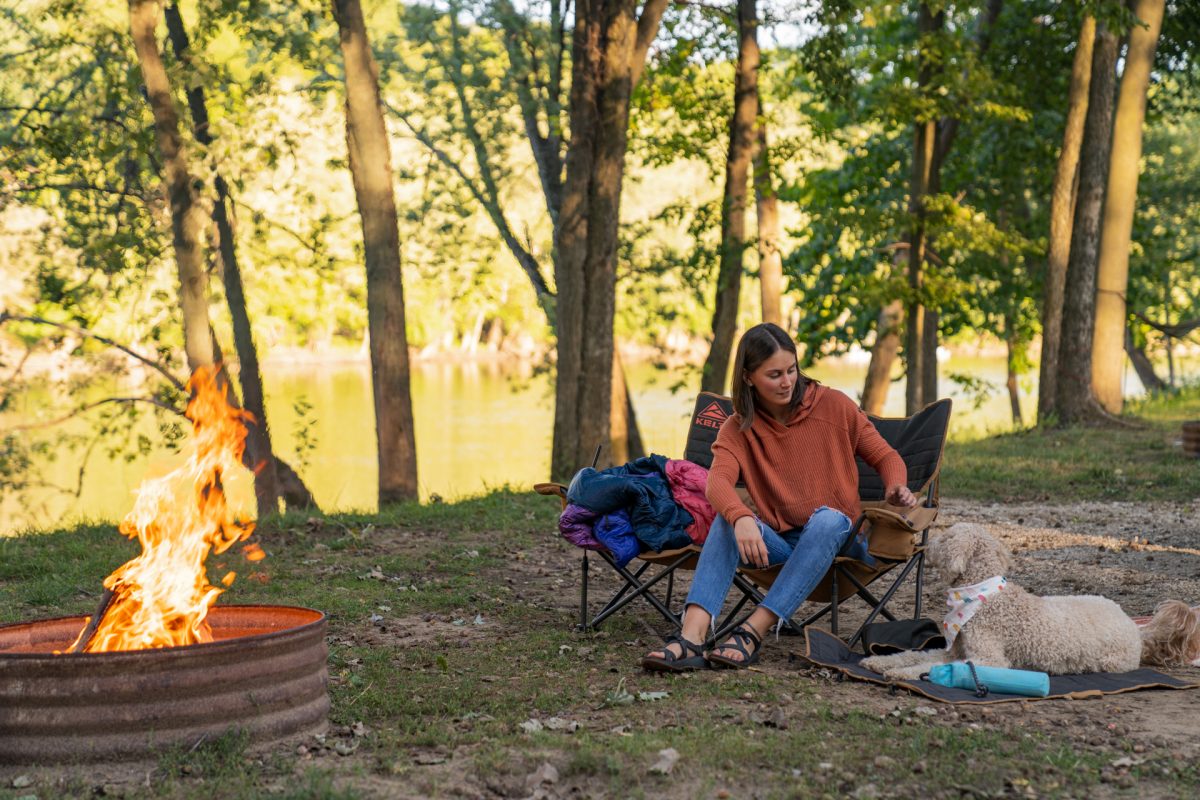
806,554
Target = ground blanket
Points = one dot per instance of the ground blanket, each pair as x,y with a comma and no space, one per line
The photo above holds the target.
829,651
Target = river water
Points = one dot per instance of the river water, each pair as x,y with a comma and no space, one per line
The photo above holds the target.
478,427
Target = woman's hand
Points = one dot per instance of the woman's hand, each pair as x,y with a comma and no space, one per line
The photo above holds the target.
899,495
751,546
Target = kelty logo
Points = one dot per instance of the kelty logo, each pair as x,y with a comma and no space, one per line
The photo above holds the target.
712,417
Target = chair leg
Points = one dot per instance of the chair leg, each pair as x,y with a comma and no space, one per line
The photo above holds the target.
833,617
640,589
671,592
920,579
583,591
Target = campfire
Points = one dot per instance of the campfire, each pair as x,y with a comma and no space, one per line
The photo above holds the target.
158,664
161,598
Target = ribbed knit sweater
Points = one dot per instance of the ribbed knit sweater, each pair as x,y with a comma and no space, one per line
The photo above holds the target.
792,470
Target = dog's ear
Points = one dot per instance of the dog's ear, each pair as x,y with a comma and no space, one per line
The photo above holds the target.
950,552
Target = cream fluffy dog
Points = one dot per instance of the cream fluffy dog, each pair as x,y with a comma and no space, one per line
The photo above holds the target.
1058,635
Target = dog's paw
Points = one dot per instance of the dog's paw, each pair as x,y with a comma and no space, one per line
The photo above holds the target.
878,664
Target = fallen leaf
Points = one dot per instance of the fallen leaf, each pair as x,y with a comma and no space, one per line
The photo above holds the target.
618,696
546,773
430,758
647,697
666,761
531,725
560,724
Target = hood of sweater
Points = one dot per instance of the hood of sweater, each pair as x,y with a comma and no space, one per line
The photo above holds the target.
765,423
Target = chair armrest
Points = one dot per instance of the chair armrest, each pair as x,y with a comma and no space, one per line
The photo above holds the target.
912,519
551,489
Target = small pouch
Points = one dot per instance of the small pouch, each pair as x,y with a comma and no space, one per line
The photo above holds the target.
886,638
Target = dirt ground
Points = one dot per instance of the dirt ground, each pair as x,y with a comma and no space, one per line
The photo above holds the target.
1135,554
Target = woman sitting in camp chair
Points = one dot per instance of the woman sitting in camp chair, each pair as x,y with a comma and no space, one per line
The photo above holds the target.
792,442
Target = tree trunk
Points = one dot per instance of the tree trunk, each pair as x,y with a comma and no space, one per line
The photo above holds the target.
924,153
1062,211
1108,358
186,222
929,341
770,257
883,356
609,46
1014,391
371,171
626,438
259,454
1074,399
733,204
1142,366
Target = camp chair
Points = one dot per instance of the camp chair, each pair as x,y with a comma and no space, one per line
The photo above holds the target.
652,568
896,537
637,582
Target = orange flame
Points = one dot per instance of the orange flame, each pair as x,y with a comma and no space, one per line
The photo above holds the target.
161,597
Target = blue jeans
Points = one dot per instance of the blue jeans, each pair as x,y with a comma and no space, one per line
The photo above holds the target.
806,554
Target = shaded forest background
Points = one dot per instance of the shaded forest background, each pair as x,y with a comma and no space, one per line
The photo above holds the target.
192,183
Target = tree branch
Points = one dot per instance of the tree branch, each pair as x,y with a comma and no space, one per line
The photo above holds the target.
524,257
158,366
84,409
647,29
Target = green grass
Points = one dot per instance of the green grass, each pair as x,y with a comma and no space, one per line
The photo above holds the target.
428,684
1141,462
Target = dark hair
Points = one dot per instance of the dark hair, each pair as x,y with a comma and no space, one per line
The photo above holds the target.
756,346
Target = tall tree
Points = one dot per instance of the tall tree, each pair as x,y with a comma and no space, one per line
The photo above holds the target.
186,221
1062,212
371,171
1108,357
608,54
922,183
273,478
742,142
479,112
1074,400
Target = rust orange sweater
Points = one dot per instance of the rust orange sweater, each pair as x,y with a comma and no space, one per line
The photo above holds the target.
792,470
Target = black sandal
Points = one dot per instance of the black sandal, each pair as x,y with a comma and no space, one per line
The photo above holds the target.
738,640
690,658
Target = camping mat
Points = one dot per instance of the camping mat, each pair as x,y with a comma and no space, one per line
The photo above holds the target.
829,651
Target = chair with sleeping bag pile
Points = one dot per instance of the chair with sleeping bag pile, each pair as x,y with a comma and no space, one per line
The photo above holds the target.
896,537
650,571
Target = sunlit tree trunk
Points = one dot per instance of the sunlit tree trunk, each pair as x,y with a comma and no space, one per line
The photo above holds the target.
1108,356
1074,401
1062,212
770,257
733,204
883,356
1014,390
371,171
186,220
270,481
609,46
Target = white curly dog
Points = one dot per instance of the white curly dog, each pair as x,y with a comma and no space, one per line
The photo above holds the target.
1058,635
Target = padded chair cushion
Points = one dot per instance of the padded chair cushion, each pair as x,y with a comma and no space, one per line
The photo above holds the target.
918,439
710,413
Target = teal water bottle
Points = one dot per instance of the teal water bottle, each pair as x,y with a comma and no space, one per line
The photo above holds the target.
985,680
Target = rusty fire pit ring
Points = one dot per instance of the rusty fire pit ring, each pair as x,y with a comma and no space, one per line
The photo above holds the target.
264,673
